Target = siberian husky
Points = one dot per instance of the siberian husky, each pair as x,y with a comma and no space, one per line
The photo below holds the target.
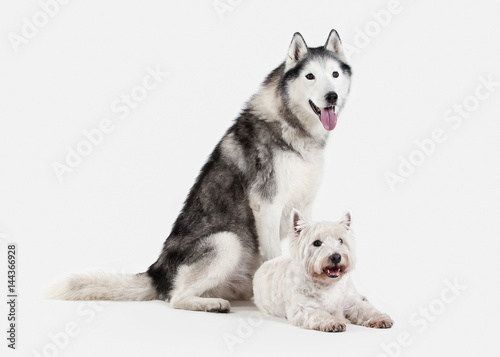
268,162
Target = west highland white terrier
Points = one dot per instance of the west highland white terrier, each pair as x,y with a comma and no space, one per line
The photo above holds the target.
312,287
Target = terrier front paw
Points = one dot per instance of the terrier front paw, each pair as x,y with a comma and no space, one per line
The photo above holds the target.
332,326
382,321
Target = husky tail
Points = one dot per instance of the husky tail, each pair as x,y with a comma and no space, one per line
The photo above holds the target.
103,286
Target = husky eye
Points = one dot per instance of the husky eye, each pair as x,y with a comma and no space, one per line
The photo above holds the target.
310,76
317,243
335,74
341,241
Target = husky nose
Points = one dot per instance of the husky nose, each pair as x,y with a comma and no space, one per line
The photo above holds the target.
331,97
335,258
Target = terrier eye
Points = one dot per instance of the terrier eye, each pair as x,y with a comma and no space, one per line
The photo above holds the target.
335,74
310,76
317,243
341,241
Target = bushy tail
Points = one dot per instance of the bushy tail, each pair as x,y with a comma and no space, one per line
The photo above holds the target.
103,286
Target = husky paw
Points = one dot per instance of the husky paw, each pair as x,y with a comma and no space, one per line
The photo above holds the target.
217,305
382,321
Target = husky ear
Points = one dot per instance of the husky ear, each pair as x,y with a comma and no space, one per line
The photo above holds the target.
296,51
298,222
346,220
334,44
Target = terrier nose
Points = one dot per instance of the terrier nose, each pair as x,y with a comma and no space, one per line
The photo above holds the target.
331,97
335,258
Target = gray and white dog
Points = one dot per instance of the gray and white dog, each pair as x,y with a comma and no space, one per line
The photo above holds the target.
267,163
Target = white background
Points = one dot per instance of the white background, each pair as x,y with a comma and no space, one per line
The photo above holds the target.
115,209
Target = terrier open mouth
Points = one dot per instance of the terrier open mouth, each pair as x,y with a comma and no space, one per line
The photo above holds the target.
326,115
332,271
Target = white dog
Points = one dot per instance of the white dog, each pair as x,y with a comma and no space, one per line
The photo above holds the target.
312,287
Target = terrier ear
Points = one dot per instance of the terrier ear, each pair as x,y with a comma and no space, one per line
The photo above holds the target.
334,44
298,221
296,51
346,220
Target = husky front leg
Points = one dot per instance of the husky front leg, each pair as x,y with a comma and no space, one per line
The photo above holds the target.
361,312
267,219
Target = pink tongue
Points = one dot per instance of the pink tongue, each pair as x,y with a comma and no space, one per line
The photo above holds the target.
328,118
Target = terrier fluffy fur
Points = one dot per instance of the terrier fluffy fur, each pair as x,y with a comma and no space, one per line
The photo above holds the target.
312,287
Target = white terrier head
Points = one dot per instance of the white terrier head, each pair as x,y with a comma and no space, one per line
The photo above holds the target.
325,250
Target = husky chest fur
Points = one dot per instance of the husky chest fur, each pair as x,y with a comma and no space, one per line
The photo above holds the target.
267,163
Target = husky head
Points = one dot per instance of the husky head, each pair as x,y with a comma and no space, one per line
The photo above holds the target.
325,251
316,82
